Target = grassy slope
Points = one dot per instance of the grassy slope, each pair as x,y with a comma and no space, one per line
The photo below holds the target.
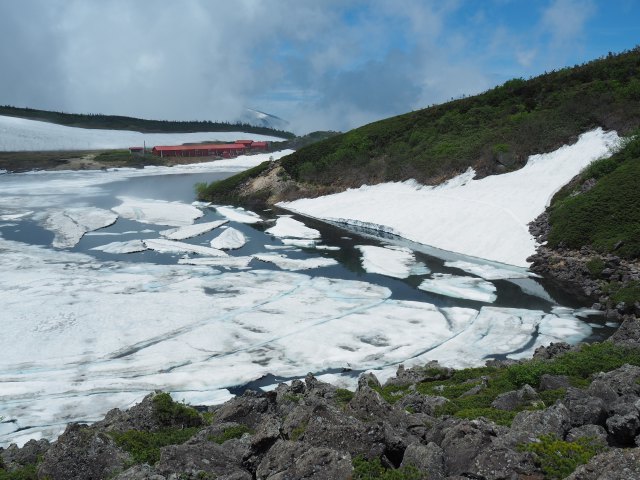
608,214
494,132
113,122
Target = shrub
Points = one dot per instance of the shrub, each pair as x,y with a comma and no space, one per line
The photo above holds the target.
27,472
344,396
558,458
144,447
230,432
170,413
372,469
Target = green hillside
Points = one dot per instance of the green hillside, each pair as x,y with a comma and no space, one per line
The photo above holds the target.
493,132
601,209
113,122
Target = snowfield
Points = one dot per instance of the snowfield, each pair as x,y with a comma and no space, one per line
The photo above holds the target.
484,218
19,134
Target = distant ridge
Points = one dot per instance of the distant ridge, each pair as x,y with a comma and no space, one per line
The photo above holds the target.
117,122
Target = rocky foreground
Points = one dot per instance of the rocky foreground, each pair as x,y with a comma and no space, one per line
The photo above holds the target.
426,423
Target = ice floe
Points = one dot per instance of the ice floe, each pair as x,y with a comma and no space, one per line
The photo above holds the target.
71,224
287,227
222,262
489,272
467,288
19,134
293,264
238,214
157,212
162,245
229,239
485,218
131,246
191,231
298,242
393,261
15,216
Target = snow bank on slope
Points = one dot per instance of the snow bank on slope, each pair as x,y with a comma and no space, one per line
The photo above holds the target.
484,218
19,134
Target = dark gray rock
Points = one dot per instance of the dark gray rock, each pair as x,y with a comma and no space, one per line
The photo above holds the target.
140,472
82,453
516,399
200,459
628,334
13,457
367,404
616,464
553,382
463,442
429,459
498,462
368,380
551,351
622,381
288,460
624,428
249,409
597,432
418,403
583,408
529,425
429,372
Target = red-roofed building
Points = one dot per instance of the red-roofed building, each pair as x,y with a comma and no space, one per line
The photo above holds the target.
226,150
259,146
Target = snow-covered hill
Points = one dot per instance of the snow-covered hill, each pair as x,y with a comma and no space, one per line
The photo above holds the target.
18,134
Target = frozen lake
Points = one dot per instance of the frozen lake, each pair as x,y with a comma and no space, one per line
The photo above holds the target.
113,284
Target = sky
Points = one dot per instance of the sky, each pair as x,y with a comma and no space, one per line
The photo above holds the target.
319,64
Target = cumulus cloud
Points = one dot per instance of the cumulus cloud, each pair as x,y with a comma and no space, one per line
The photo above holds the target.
320,65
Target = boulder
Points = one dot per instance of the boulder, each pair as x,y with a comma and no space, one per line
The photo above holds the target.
14,457
622,381
596,432
584,409
527,426
429,459
628,333
553,382
429,372
516,399
624,428
499,462
82,453
140,472
463,442
615,464
418,403
249,409
551,351
200,459
288,460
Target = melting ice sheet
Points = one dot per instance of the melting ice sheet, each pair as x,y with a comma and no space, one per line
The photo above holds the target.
229,239
287,227
490,272
293,264
95,335
191,231
157,212
238,214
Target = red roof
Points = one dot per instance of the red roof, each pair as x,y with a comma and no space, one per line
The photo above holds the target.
213,146
259,144
245,142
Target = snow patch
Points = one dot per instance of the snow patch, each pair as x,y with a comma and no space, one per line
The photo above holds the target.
293,264
484,218
467,288
157,212
393,261
229,239
191,231
239,215
287,227
71,224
